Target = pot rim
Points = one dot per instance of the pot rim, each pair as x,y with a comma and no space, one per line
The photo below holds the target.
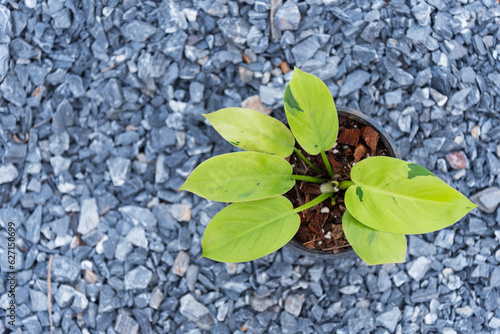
393,152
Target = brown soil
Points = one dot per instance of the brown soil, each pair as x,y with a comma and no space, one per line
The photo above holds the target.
321,225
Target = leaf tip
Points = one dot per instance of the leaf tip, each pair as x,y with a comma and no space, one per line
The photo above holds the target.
472,206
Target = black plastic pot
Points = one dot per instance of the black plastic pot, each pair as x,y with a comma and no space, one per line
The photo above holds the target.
391,148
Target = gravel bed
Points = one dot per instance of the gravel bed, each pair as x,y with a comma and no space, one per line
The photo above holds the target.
100,123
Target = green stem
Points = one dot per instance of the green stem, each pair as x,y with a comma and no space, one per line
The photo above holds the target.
333,199
312,203
345,184
327,163
309,179
303,157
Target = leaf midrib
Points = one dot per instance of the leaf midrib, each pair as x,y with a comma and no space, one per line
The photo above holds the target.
378,190
251,178
312,120
265,136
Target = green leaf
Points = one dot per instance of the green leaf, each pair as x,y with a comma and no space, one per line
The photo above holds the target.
240,176
247,231
396,196
372,246
251,130
311,113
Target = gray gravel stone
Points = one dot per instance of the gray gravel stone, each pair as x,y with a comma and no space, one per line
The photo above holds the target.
14,153
417,268
60,164
8,173
156,298
164,217
123,249
456,263
80,302
113,93
400,278
384,282
138,278
288,323
353,82
260,304
75,84
173,45
64,295
126,324
402,77
32,324
180,212
404,124
64,269
419,247
257,41
12,91
5,22
196,91
495,278
487,199
372,31
364,54
393,98
196,312
305,50
434,144
445,238
139,216
62,19
138,31
39,301
22,50
137,236
478,227
293,304
4,60
269,94
181,264
422,13
33,225
287,17
465,311
442,79
389,319
340,14
119,169
89,216
234,29
350,289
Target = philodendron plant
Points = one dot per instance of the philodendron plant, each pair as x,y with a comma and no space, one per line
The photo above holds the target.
385,197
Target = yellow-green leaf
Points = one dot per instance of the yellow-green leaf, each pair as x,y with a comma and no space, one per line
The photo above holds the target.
246,231
372,246
251,130
399,197
240,176
311,112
